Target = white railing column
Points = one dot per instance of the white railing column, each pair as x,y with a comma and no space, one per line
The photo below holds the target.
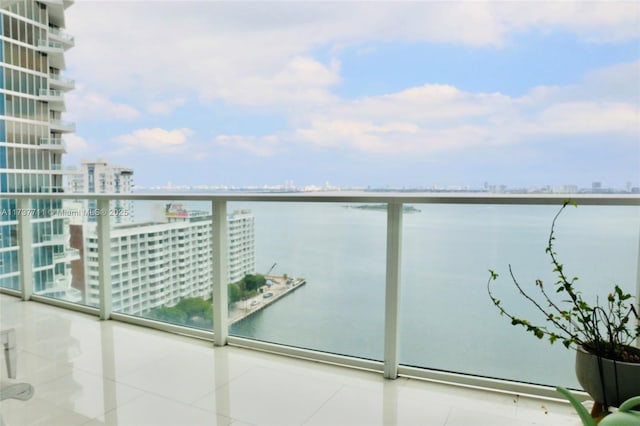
219,265
392,293
25,240
104,258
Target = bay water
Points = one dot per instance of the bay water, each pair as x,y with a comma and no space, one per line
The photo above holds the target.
447,319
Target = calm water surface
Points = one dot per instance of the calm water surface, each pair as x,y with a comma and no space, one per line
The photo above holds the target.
447,320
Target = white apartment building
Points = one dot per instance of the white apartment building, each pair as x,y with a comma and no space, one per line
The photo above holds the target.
159,263
99,177
32,89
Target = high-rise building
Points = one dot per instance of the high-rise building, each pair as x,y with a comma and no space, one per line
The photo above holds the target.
32,90
162,261
99,177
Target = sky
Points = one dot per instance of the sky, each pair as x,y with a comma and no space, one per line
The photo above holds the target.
358,94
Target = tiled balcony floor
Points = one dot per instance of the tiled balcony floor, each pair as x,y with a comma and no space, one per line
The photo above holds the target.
91,372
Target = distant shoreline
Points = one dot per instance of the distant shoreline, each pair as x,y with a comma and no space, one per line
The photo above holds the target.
381,207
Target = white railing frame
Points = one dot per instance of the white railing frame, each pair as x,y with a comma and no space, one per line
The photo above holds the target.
25,256
390,366
219,253
392,290
104,261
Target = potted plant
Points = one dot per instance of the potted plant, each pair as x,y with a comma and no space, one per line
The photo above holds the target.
607,363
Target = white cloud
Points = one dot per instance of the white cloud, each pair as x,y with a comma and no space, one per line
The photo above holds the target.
390,137
155,140
440,117
75,143
259,53
434,103
590,118
301,80
165,107
593,21
262,146
88,105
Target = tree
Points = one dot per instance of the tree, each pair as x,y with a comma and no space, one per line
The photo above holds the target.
253,282
195,307
167,314
234,293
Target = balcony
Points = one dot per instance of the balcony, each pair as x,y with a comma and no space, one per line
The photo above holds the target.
62,126
55,98
61,37
56,238
58,82
56,168
50,47
69,255
55,51
74,383
55,188
53,144
350,255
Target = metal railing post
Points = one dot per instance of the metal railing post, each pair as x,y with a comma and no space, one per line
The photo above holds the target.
392,290
104,259
25,255
219,265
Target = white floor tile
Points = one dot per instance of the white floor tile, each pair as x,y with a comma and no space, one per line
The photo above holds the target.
38,412
35,369
264,396
90,372
86,394
152,410
386,405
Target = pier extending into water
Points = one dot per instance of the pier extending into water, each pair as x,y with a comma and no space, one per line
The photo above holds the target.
277,287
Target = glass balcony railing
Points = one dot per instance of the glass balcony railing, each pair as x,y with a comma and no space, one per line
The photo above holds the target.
50,93
54,188
62,36
56,238
62,126
52,144
50,46
393,283
68,255
57,80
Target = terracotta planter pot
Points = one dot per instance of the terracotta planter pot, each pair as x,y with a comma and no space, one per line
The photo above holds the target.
621,379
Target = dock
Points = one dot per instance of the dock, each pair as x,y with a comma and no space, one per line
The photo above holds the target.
280,287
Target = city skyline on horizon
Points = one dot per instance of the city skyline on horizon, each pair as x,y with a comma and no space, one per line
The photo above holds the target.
258,94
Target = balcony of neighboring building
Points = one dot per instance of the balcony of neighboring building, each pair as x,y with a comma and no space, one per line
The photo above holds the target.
57,35
56,239
68,255
55,50
52,144
54,97
61,126
56,81
52,189
56,169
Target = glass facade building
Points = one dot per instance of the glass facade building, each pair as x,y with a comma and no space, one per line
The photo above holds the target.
32,92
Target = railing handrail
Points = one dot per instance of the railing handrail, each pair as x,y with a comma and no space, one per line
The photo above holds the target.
359,197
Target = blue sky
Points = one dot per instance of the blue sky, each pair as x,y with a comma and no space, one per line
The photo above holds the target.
358,93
